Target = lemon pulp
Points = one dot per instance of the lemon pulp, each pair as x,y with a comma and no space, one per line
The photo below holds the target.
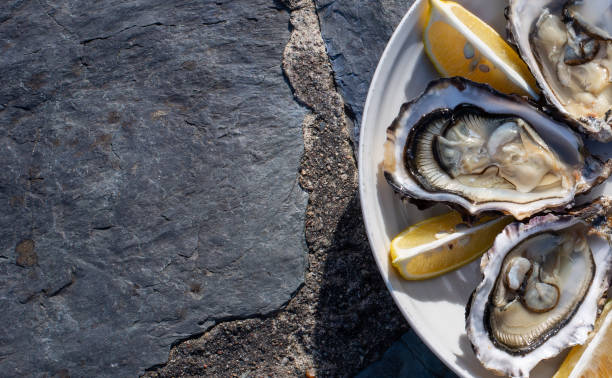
460,44
443,243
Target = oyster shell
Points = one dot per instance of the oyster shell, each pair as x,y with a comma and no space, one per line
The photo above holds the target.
568,48
542,283
594,16
465,144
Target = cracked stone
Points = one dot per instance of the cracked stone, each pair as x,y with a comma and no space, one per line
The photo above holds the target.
147,185
355,34
343,318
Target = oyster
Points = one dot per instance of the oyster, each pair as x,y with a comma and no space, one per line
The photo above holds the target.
465,144
568,47
542,283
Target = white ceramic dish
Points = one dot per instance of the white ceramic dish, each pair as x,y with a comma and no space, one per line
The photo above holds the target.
434,308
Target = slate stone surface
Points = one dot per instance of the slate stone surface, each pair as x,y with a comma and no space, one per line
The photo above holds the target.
343,318
356,33
408,357
149,151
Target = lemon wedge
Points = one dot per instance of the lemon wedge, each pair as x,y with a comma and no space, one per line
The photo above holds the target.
593,359
460,44
440,244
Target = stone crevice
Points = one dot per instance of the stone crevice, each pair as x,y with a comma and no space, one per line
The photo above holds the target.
216,22
70,34
89,40
295,340
63,288
210,327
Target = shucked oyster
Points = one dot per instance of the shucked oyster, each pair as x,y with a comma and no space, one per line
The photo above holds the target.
464,144
568,47
542,282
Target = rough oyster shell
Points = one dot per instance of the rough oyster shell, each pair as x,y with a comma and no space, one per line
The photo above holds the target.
552,331
552,165
571,59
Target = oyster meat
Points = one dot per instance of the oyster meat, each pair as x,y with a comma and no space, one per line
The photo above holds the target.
542,283
568,47
465,144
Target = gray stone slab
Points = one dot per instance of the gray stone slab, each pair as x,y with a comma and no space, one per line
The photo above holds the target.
408,357
149,153
356,33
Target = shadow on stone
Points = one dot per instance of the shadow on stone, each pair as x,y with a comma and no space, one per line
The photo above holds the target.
356,318
408,357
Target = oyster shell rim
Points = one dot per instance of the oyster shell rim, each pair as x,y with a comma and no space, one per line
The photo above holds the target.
577,326
415,192
550,332
595,128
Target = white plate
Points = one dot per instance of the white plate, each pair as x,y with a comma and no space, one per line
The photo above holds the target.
434,308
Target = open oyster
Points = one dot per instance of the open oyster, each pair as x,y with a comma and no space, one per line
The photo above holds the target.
541,287
465,144
568,47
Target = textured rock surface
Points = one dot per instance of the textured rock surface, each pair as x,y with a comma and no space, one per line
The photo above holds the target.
343,318
150,152
355,34
408,357
152,188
